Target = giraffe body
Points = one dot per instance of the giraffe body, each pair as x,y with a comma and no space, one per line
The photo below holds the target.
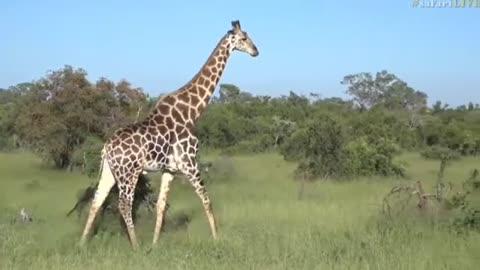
165,141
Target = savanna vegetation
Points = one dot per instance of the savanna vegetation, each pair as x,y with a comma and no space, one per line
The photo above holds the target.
380,180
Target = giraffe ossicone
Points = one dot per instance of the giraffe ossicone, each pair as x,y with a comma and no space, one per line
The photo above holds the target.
165,141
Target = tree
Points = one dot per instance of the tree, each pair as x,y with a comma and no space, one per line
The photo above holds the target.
66,118
366,89
219,127
438,107
471,107
401,97
228,93
58,112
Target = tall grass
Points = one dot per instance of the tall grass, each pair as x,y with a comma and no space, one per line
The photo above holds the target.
262,223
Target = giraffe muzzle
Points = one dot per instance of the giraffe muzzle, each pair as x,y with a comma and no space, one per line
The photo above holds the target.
255,52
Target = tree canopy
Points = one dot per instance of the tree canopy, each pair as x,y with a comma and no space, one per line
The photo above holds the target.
63,117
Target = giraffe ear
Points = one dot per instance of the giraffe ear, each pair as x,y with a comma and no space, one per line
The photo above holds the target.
236,25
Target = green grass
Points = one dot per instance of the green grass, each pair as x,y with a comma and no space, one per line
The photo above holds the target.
262,223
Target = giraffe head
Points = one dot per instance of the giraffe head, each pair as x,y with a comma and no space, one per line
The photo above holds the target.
241,41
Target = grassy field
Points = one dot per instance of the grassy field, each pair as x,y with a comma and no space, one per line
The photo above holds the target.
262,223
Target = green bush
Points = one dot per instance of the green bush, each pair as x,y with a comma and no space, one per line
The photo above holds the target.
322,149
465,205
6,143
88,156
259,144
362,158
318,146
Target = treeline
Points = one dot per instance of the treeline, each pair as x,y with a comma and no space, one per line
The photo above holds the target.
65,118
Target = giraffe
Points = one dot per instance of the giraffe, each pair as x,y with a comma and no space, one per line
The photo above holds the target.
165,142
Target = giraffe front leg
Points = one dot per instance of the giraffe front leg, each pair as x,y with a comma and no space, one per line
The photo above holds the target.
196,180
167,179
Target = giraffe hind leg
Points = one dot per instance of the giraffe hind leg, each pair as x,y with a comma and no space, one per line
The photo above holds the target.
107,181
125,202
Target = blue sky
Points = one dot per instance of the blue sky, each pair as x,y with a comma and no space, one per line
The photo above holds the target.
305,46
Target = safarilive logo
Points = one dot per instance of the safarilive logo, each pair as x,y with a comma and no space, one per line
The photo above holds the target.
446,3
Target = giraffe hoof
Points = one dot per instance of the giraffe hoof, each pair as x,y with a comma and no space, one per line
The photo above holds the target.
82,242
81,245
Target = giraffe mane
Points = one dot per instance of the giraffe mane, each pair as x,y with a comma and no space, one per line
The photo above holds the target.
199,72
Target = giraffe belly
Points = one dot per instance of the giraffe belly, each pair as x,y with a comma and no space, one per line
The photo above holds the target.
155,166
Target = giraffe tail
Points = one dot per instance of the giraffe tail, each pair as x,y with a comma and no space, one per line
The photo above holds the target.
89,192
84,198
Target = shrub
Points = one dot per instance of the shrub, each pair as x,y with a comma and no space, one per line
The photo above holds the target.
455,212
318,146
323,150
88,156
7,143
362,158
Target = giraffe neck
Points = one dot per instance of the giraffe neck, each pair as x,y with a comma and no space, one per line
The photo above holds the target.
195,94
204,82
